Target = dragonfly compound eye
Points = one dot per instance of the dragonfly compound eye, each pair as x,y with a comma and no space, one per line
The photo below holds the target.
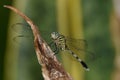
54,35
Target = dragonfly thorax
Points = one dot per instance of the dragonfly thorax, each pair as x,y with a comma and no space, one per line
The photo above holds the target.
59,40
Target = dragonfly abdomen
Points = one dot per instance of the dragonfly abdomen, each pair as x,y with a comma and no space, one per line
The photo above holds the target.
79,60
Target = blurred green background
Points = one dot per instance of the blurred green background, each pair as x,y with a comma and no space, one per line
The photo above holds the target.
18,60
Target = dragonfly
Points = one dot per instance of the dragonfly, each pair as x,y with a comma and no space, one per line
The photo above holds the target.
60,42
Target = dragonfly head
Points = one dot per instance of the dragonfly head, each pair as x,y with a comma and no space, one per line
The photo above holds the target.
55,35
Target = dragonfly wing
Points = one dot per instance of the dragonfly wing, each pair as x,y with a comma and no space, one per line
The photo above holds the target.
23,33
79,46
77,43
21,28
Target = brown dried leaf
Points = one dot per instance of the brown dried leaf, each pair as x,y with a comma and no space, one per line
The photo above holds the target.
51,68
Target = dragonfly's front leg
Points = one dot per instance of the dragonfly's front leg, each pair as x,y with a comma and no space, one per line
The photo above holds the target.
55,50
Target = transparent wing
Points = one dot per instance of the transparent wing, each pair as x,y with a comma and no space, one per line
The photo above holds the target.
21,28
79,47
23,32
77,43
19,39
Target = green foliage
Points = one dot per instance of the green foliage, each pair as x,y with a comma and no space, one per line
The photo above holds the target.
4,17
97,33
43,13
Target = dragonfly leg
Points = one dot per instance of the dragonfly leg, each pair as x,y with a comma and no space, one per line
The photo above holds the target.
55,50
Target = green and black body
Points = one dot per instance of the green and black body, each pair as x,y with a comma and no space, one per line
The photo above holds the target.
60,44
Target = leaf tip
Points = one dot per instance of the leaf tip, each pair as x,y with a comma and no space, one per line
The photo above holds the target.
4,5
